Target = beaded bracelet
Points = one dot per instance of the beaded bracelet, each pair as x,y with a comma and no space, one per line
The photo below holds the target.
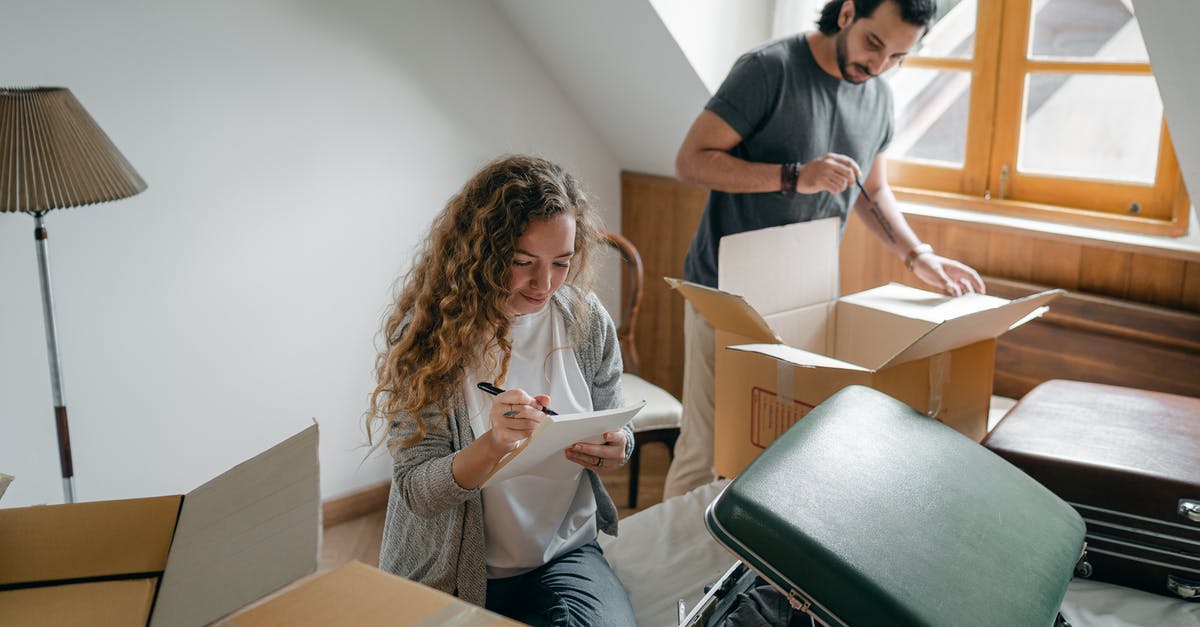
789,175
917,251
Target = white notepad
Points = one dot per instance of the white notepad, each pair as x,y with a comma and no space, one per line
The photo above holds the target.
543,453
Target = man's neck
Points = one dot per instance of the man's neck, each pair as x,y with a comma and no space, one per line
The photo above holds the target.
824,52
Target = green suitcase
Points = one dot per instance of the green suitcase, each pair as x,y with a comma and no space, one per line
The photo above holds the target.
867,512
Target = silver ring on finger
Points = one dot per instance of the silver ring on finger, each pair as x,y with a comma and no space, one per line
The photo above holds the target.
599,462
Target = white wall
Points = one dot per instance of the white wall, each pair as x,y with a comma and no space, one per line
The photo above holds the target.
714,33
295,152
1168,28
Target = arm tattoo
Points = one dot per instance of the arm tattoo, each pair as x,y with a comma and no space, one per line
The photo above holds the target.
883,222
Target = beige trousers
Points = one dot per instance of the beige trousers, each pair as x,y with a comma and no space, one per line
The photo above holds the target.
692,466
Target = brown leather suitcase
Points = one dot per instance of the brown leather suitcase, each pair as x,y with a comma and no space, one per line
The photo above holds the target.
1129,461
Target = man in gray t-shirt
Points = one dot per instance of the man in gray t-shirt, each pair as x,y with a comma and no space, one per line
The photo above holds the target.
792,130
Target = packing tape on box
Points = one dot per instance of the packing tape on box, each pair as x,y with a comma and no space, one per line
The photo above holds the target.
785,383
939,375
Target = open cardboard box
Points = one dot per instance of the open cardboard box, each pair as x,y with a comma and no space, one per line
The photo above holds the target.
357,595
171,560
786,342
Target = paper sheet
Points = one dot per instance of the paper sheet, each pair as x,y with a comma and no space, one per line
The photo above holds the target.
544,452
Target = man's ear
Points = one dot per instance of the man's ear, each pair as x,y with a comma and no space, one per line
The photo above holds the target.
846,15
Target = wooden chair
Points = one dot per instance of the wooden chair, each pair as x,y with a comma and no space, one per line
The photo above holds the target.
659,420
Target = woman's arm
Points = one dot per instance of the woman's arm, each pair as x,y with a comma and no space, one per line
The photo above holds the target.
422,471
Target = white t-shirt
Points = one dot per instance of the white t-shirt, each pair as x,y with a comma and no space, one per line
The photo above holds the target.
529,520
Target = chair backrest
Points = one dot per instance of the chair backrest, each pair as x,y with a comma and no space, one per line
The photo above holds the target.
631,275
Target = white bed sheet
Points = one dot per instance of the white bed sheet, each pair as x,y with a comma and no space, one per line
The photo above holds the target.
665,553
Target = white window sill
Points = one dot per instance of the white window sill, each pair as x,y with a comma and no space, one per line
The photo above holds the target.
1186,247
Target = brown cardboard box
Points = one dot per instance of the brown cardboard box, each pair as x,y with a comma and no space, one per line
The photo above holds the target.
786,342
173,560
357,595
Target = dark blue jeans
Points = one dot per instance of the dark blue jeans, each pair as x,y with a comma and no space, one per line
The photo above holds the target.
576,588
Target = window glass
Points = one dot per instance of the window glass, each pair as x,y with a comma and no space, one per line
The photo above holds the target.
931,114
1097,30
953,32
1098,126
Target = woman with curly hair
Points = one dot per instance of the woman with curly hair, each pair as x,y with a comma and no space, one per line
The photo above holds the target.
501,294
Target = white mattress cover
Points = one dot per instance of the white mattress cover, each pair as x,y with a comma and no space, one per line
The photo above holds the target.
665,553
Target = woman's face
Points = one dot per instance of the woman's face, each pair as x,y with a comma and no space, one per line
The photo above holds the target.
541,263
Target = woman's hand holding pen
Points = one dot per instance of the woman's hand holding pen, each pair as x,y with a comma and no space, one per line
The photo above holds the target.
600,457
514,415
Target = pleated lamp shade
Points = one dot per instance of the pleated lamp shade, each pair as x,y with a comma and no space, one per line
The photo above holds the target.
53,155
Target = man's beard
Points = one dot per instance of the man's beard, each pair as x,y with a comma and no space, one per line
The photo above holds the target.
843,63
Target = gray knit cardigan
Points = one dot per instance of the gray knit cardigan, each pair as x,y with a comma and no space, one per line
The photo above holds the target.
433,532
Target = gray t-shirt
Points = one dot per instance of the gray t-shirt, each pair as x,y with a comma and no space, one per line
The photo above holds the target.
786,108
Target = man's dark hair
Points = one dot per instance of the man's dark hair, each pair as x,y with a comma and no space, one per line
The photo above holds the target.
915,12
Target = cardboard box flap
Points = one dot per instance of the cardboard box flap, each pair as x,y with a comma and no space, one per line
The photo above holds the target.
971,328
727,312
355,594
84,540
782,268
797,357
249,532
901,300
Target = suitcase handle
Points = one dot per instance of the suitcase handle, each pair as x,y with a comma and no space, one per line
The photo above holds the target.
1183,588
1189,509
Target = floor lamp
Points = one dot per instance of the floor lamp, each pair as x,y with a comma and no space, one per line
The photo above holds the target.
53,156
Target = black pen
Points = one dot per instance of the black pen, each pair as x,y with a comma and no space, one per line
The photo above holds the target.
864,191
495,391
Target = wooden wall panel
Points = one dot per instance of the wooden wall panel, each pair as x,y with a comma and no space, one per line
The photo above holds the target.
660,216
1010,255
1101,340
1104,271
967,244
1156,280
1054,263
1190,299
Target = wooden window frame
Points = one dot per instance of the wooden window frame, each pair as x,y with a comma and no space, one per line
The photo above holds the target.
999,66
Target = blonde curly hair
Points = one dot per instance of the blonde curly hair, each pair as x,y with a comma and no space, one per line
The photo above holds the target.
452,311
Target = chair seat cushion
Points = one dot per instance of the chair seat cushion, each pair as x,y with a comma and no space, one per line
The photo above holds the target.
662,410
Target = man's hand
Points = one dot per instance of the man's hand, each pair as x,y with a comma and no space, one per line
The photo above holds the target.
831,173
952,277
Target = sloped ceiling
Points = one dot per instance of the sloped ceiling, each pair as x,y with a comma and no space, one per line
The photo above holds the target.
619,64
1169,29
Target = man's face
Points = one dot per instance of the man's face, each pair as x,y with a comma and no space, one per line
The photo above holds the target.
870,46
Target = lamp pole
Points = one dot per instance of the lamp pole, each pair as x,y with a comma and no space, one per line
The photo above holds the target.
60,406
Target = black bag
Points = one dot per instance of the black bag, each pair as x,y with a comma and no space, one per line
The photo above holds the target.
743,599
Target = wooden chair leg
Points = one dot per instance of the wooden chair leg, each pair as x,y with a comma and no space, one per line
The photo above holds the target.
635,465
